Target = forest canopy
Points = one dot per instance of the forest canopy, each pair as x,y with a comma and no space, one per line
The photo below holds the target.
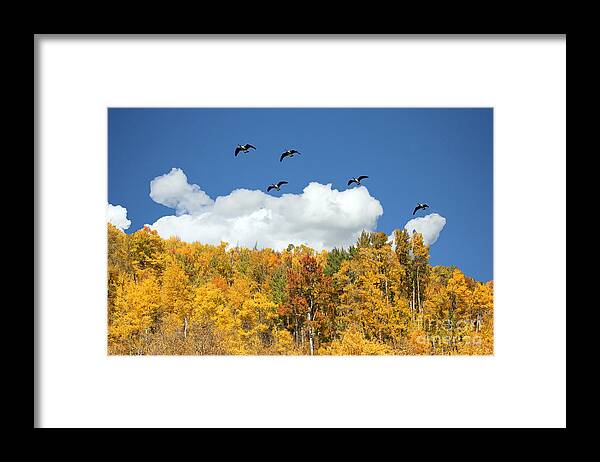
378,297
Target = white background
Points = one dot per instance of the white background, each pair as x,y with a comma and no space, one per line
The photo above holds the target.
523,384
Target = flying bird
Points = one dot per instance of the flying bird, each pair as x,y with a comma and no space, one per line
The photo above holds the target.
276,186
357,180
288,153
420,206
243,148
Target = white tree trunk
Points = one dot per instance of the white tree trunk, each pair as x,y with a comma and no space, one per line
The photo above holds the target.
310,331
418,291
413,301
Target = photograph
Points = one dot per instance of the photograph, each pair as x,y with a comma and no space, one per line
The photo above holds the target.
300,231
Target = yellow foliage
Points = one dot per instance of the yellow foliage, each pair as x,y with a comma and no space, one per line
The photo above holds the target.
354,343
172,297
283,343
135,308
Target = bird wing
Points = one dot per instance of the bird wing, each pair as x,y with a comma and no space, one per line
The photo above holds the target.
270,187
281,182
248,146
350,182
237,150
285,154
362,177
416,208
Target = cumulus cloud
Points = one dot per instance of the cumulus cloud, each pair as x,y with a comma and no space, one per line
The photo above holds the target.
320,216
173,190
117,215
429,226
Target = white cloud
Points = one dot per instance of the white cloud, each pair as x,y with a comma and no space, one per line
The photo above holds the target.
429,226
173,190
320,216
117,215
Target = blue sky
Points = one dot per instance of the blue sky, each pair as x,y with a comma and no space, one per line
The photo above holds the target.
442,157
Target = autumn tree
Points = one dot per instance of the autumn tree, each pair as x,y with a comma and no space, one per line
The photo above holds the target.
176,296
380,296
335,258
353,343
146,251
371,298
413,256
135,312
309,291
